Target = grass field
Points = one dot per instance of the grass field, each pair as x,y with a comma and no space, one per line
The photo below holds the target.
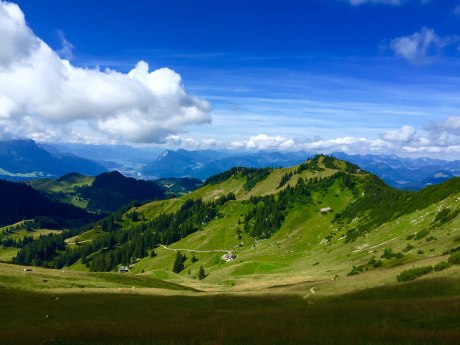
386,315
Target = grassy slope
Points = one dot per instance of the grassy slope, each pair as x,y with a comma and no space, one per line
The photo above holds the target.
6,254
298,251
65,188
294,255
13,276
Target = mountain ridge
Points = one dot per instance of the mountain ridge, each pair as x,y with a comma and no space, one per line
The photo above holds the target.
21,202
402,173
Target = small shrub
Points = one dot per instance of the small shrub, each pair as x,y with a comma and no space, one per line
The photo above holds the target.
413,273
441,266
387,253
355,270
408,248
421,234
409,237
456,249
445,215
420,252
431,238
454,258
375,263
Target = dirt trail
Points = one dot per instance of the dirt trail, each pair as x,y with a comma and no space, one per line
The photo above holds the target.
198,251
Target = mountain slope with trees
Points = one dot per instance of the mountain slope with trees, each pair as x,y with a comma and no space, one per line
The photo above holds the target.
110,191
21,202
325,217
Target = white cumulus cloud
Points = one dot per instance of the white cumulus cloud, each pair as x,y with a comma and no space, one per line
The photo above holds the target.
66,50
345,144
449,126
404,134
420,47
44,96
264,142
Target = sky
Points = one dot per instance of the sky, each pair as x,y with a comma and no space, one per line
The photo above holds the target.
359,76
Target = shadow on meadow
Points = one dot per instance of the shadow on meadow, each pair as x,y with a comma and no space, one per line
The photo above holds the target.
388,315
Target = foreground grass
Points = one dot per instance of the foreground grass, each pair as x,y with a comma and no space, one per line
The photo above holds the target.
400,314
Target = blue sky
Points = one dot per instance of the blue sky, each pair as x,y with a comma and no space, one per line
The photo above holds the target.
361,76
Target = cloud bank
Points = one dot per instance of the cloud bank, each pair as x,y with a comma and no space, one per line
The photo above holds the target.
45,97
437,139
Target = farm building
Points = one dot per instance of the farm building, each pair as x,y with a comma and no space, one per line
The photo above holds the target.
229,256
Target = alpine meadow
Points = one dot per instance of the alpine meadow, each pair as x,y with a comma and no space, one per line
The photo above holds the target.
229,173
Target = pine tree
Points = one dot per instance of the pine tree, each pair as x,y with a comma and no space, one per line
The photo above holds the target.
201,273
179,263
194,258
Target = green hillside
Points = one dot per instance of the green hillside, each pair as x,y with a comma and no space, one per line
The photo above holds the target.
13,237
65,188
110,191
104,193
325,220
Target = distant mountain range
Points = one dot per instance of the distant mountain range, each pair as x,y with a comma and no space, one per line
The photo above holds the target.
403,173
205,163
25,160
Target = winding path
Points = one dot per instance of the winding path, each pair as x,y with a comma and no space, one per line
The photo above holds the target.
197,251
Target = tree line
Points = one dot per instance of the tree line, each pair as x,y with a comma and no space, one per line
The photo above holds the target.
123,245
